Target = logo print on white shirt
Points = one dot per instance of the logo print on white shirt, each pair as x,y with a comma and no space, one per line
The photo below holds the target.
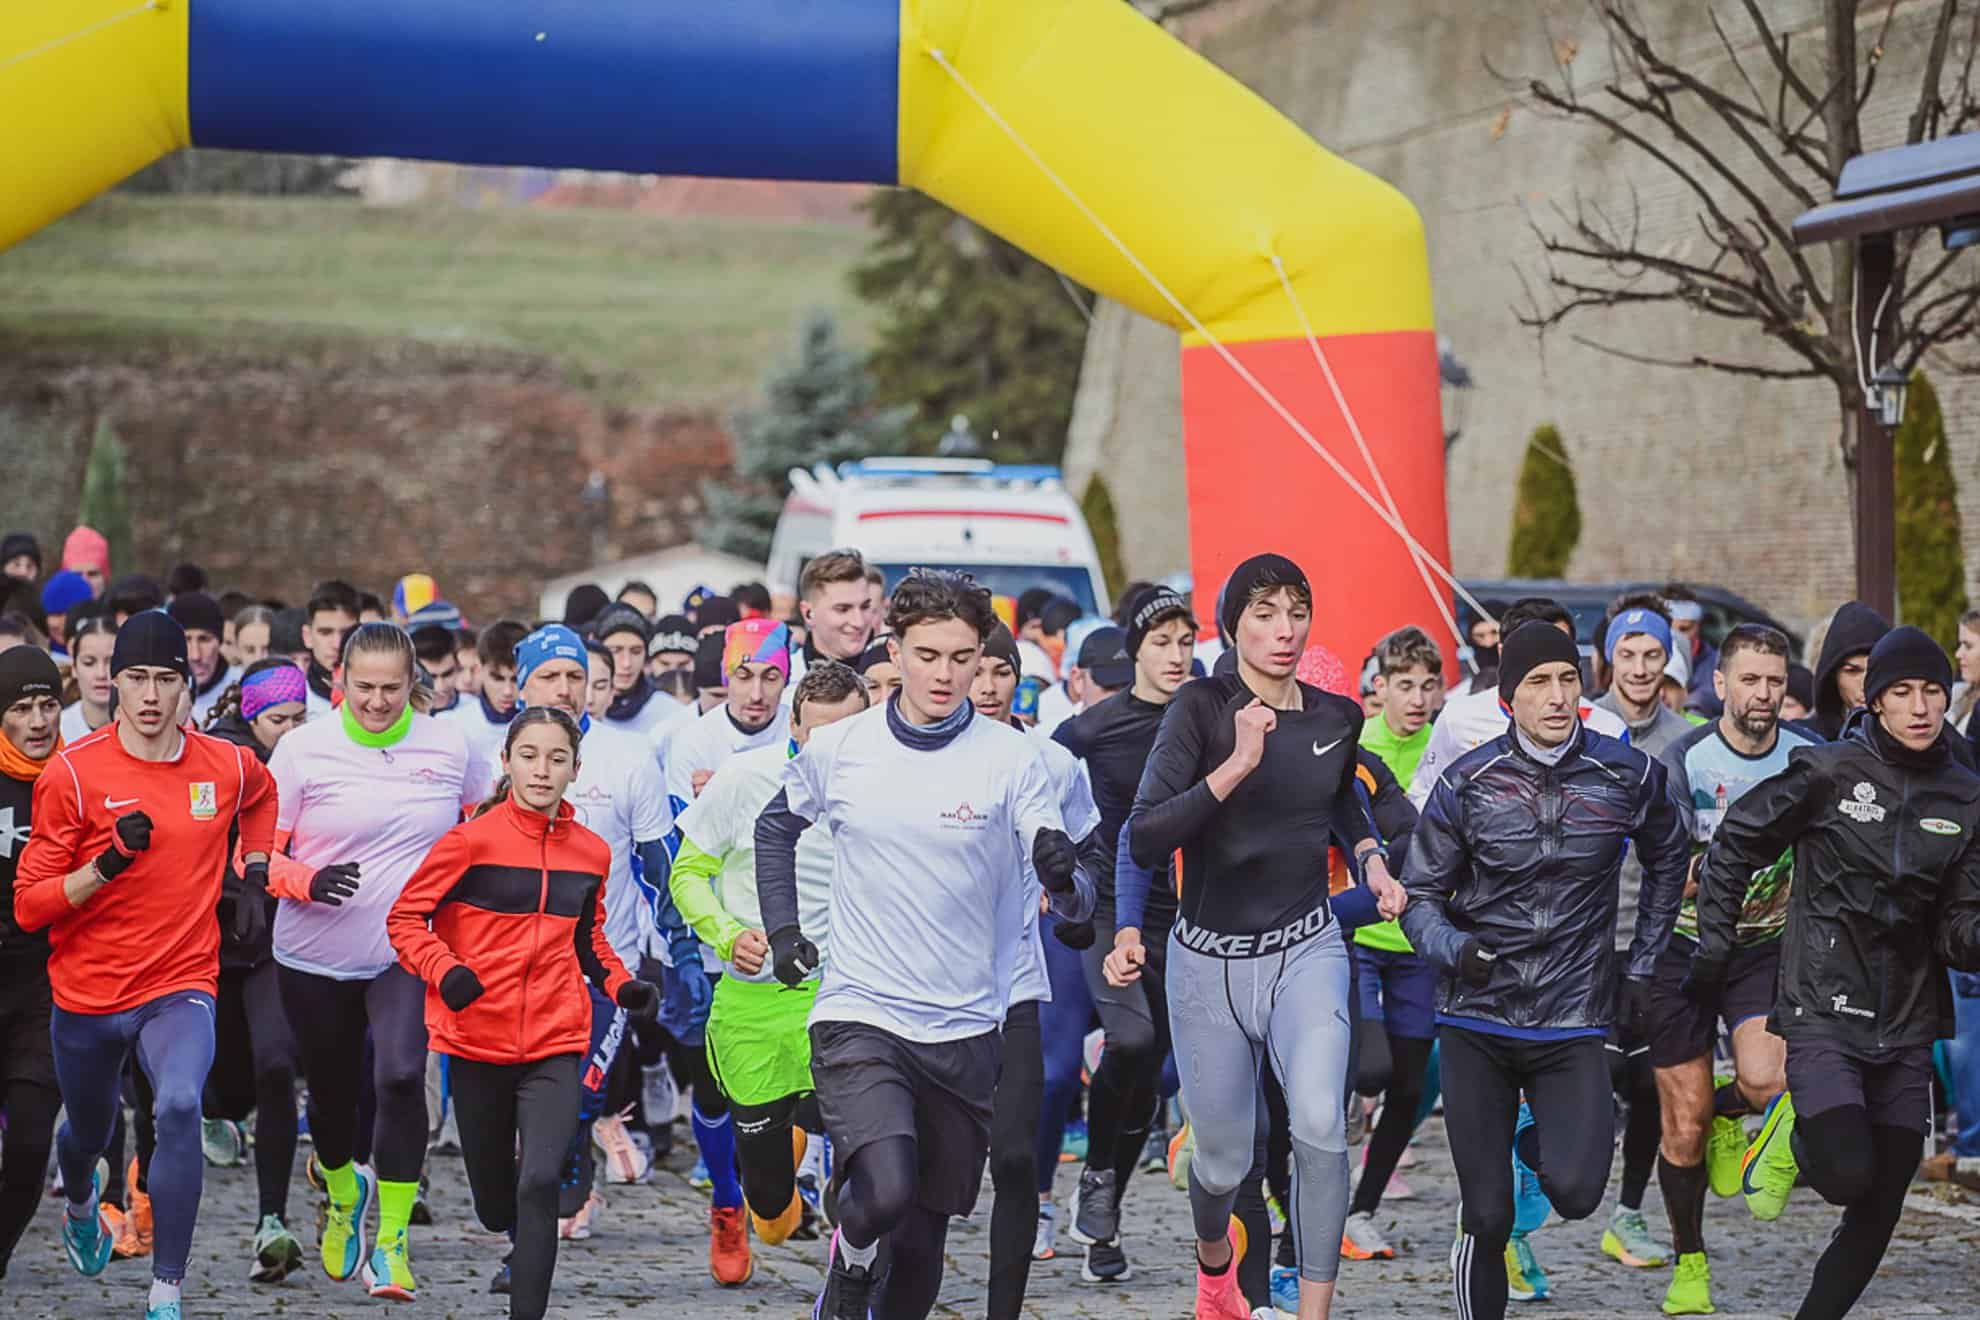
1861,806
112,804
966,817
1318,750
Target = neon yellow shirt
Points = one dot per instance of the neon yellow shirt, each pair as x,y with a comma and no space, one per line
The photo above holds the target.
1401,755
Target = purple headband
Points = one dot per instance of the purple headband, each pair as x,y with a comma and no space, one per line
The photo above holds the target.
271,687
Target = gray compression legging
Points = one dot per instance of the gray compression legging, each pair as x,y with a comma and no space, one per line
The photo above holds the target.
1227,1017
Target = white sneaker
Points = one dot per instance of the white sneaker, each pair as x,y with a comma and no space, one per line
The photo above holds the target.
624,1162
659,1095
1044,1246
1362,1239
578,1227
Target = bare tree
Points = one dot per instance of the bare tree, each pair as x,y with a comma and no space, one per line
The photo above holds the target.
1751,156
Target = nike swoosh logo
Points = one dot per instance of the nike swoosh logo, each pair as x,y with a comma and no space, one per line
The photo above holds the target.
114,805
1318,750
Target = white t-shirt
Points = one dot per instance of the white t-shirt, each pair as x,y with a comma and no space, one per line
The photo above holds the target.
1034,663
75,725
668,729
1073,791
381,807
618,796
1474,719
1055,707
204,703
722,823
659,708
316,709
928,879
708,743
484,736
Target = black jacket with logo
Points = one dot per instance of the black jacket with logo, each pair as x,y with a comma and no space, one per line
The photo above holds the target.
1526,857
1886,887
23,954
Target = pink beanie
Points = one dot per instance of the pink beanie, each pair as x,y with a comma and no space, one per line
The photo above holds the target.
86,548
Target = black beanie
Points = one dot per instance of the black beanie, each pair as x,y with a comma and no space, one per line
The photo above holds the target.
1000,645
151,638
585,603
1257,571
20,543
1906,653
1532,645
1154,605
196,609
621,618
708,670
876,653
672,633
716,612
27,671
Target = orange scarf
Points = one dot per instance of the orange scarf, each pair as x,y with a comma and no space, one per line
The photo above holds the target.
16,764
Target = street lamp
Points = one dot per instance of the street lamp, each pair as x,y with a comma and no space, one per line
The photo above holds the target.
1887,396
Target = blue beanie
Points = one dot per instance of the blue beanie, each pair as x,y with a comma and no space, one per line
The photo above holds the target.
1638,620
63,592
553,641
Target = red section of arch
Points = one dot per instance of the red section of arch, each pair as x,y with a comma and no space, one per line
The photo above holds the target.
1255,485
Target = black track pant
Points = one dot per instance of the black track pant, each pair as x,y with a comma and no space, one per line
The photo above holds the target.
254,1072
1402,1093
515,1120
1865,1167
329,1018
1121,1105
1567,1084
28,1090
1014,1160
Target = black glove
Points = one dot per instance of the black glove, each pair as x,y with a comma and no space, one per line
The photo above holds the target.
641,999
1474,964
251,906
130,836
333,884
459,988
1633,1007
1074,934
1054,857
1704,981
792,956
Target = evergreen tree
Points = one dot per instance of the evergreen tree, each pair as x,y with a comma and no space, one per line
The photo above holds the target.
1546,512
1103,524
104,505
1931,573
971,325
817,409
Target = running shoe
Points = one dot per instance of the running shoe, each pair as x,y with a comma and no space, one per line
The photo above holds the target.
1182,1149
447,1141
1362,1239
1356,1120
1725,1150
343,1230
1285,1290
276,1251
624,1162
1097,1210
1155,1153
1072,1147
1217,1295
134,1234
1525,1280
1275,1214
777,1231
698,1177
577,1227
221,1143
728,1246
1398,1190
1769,1169
1628,1240
87,1240
503,1281
388,1272
172,1310
1105,1263
1090,1049
1690,1292
422,1213
1045,1242
848,1290
1530,1204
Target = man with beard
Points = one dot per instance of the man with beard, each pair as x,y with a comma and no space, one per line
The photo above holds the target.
1703,1139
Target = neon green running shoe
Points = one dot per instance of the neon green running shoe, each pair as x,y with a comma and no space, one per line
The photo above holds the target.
388,1271
1525,1280
1628,1240
1767,1174
1690,1292
343,1231
1725,1151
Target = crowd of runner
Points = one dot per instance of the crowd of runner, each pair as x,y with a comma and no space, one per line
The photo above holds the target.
881,890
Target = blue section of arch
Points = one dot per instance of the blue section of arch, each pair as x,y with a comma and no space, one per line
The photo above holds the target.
773,89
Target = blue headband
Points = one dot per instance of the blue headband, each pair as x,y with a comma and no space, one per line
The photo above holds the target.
553,641
1648,622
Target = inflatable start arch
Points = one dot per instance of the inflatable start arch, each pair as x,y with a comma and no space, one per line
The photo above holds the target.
1074,128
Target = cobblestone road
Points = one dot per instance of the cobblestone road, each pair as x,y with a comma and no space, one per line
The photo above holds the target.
647,1262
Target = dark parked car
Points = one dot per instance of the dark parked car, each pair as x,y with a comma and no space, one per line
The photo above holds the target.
1587,601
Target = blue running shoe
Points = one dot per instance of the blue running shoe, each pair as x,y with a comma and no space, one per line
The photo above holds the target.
88,1240
698,1177
165,1311
1072,1147
1530,1204
1285,1290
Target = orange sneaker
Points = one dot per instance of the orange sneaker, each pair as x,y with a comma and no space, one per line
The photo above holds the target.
728,1246
772,1232
134,1235
1217,1295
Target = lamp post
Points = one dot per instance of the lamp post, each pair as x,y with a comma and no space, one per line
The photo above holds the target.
1880,195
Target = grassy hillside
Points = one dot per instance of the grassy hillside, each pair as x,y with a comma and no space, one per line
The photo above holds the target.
653,311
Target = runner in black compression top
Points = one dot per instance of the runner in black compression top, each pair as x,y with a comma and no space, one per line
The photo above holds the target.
1252,794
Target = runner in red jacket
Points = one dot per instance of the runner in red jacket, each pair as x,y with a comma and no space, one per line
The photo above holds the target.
503,921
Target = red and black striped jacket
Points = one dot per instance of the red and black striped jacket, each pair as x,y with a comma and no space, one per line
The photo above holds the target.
519,900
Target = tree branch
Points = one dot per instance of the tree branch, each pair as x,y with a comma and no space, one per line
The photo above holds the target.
1930,104
1777,51
1698,360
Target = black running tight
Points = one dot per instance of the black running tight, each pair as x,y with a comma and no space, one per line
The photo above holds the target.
876,1200
1865,1168
1409,1060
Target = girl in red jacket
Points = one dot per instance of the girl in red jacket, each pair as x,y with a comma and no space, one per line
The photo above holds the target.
503,920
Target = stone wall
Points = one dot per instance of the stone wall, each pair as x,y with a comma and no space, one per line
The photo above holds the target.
1682,473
